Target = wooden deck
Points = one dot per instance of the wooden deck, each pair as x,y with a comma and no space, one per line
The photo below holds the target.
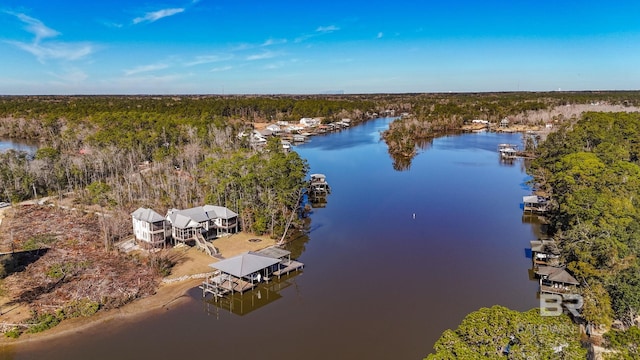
535,209
287,266
558,290
219,286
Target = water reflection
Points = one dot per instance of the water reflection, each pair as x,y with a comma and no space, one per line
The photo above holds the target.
243,304
378,283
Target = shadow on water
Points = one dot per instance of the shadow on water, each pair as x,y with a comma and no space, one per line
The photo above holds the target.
245,303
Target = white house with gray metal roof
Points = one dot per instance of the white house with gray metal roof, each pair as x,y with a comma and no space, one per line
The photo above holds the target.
209,220
150,227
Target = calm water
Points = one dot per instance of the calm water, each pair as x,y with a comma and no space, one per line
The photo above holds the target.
19,145
378,283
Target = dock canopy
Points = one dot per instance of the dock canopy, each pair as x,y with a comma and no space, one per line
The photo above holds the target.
545,247
274,252
531,199
244,264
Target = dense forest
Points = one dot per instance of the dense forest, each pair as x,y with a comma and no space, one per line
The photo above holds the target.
435,114
120,153
499,333
124,152
591,170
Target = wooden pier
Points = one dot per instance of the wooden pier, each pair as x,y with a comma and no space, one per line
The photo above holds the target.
287,266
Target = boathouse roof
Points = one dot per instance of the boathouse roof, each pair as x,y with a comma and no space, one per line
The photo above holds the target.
244,264
274,252
544,246
556,274
530,199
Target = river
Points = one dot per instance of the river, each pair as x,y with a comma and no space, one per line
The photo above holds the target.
392,260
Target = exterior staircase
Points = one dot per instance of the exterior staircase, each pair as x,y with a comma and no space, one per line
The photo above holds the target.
204,245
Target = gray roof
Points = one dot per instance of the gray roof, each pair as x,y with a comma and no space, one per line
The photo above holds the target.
531,199
544,246
182,222
244,264
147,215
182,218
557,274
214,211
274,252
563,276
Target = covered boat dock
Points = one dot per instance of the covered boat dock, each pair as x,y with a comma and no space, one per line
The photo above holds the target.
245,271
534,203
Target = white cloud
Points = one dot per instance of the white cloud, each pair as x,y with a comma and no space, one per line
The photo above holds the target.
145,68
74,76
157,15
380,35
44,50
327,29
319,31
262,56
207,59
37,28
55,50
222,68
270,42
112,24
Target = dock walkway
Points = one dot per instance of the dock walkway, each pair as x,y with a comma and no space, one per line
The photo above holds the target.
288,266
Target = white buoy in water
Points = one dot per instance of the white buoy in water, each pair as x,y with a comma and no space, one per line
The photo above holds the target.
414,215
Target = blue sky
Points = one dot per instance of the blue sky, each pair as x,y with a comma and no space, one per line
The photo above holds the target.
287,47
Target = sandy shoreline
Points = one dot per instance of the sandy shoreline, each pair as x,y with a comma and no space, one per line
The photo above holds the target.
169,294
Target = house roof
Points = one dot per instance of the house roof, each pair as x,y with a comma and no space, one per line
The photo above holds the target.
191,217
147,215
214,211
182,222
244,264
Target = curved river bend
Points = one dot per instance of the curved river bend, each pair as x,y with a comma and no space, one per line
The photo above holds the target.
393,260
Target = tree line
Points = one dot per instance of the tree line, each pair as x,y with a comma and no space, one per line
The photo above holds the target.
433,115
591,169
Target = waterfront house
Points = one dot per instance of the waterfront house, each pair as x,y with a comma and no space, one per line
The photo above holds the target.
298,138
209,220
274,128
150,227
307,122
504,123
